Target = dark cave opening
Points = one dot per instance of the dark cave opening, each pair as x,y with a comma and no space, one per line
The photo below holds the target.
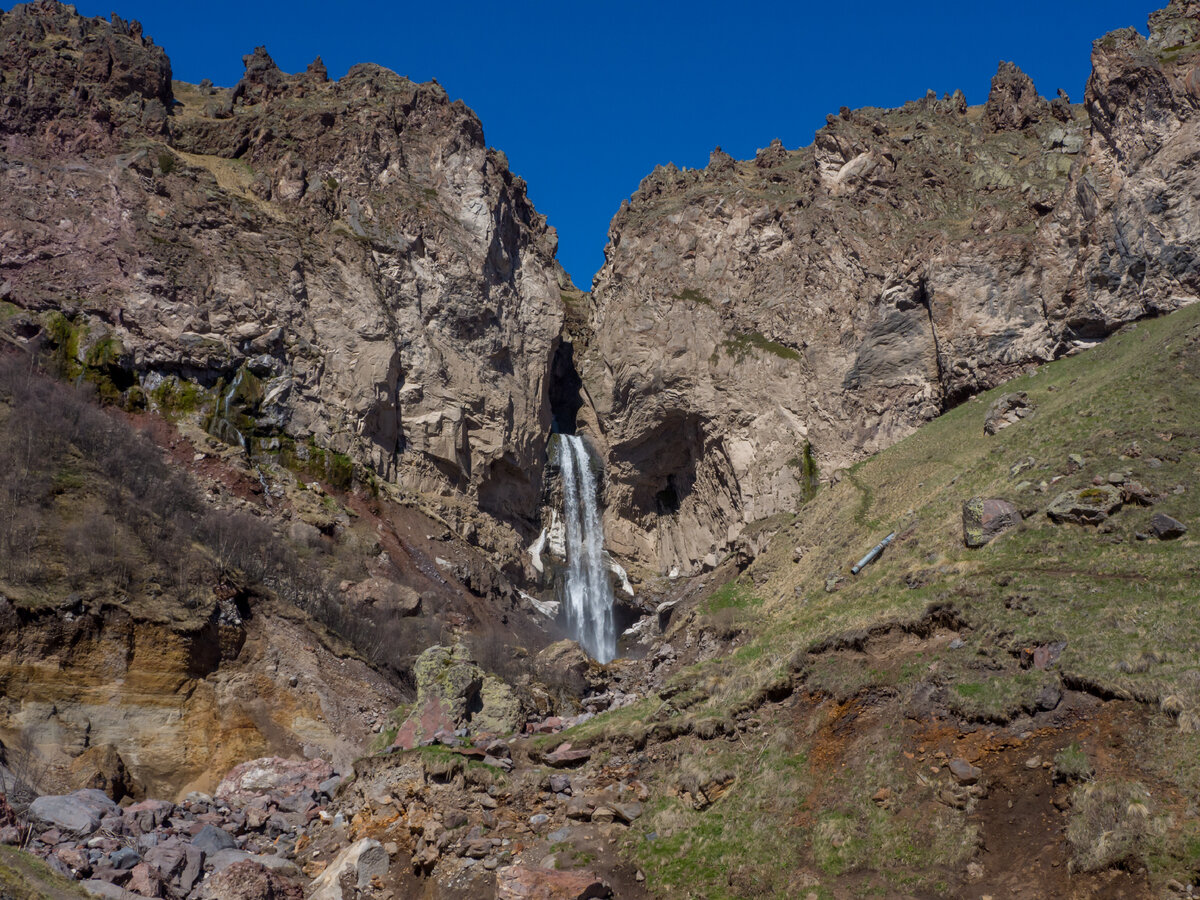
667,499
566,389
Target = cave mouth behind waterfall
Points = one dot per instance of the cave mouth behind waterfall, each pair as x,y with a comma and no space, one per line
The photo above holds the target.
566,389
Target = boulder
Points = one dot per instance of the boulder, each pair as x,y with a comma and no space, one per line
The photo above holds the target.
148,814
454,693
1007,410
146,881
78,813
212,840
1165,528
362,861
528,883
124,858
175,863
248,880
964,772
565,756
627,812
565,664
1088,506
984,519
272,775
387,599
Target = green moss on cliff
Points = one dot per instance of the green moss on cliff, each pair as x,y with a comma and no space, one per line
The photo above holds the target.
742,345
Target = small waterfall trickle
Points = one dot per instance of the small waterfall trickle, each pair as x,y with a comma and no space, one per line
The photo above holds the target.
589,596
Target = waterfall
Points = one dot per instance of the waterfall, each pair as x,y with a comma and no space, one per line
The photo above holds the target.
589,596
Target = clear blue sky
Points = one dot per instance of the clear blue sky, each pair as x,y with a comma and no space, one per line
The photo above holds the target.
586,98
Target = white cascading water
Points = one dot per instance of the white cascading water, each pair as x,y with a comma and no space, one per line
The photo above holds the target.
589,596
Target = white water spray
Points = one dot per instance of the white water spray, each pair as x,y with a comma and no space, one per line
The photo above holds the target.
589,596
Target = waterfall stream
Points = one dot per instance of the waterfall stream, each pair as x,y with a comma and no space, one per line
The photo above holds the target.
589,596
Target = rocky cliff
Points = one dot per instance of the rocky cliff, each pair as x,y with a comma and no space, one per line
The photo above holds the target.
834,297
354,246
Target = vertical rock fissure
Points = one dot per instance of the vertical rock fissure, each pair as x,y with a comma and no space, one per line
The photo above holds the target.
566,389
589,596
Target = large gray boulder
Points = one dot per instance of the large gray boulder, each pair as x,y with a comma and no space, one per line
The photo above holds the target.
78,813
1088,506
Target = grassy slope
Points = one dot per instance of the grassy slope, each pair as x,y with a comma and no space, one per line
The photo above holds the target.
25,877
800,813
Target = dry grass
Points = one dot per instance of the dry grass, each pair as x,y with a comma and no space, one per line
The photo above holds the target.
1112,823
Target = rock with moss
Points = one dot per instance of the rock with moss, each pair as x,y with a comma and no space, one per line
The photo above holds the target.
986,518
454,693
1089,506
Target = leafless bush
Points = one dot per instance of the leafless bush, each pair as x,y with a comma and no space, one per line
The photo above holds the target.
241,542
29,770
495,655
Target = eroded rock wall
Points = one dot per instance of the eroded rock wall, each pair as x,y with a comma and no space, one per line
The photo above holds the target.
840,295
354,243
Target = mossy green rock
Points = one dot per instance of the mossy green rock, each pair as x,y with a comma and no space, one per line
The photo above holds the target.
453,692
449,674
501,712
984,519
1088,506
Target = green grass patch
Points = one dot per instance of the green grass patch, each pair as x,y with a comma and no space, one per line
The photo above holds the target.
691,295
741,346
737,594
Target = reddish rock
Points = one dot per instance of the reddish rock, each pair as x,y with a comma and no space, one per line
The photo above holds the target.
145,880
565,756
149,814
249,880
75,859
433,717
271,774
527,883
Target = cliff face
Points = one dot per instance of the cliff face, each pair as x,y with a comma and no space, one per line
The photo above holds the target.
356,250
354,245
840,295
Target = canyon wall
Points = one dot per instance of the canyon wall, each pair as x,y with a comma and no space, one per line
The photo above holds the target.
353,244
837,296
356,248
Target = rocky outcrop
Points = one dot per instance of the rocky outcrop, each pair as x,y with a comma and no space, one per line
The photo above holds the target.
140,707
1014,103
454,695
352,249
835,297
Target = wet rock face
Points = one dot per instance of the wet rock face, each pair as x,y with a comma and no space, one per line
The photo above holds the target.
844,293
353,244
